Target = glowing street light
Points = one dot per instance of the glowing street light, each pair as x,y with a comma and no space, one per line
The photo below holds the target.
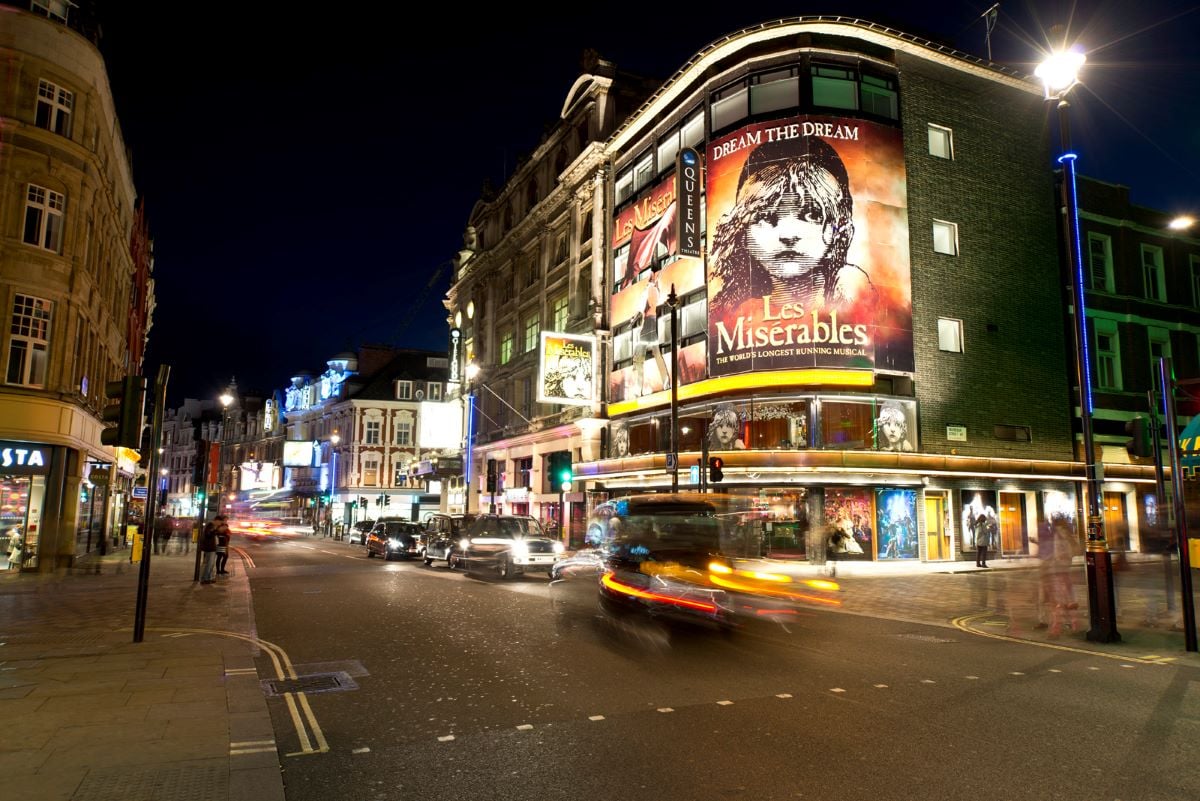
1181,223
1059,74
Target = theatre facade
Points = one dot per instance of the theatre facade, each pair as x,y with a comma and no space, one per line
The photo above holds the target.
856,232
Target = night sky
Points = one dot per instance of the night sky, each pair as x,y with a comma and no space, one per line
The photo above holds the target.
308,175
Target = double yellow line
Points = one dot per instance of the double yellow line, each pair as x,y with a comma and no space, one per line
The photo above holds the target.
297,703
964,623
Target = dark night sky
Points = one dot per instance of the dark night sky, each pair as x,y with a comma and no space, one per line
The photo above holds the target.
306,173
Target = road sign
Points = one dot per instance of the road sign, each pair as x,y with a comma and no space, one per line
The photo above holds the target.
694,474
139,492
672,461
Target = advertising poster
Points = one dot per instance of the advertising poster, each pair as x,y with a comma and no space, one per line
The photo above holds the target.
567,369
646,266
259,476
896,426
896,522
299,454
850,511
978,511
808,261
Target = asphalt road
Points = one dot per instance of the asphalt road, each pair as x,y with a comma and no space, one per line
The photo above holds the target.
473,688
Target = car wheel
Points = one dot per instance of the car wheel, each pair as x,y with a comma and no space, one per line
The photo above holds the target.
370,554
428,559
504,567
451,560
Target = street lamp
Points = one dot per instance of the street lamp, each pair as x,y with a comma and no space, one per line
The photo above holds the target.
1059,74
334,439
226,398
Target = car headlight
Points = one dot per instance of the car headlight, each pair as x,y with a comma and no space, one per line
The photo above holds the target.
520,548
559,547
394,543
463,544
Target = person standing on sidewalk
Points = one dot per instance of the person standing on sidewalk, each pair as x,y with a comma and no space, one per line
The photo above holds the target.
983,536
222,547
208,549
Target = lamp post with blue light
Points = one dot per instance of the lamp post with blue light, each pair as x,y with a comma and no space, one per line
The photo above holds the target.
1059,74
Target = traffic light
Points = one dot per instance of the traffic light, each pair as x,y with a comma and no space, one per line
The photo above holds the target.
387,500
362,502
1140,445
561,473
127,402
379,500
491,476
715,463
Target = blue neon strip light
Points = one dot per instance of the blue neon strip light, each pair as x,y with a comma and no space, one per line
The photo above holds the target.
1068,162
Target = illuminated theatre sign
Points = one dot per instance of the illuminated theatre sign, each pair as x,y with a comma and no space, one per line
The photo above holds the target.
567,369
808,262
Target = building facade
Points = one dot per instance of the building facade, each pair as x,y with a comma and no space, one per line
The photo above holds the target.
857,230
75,286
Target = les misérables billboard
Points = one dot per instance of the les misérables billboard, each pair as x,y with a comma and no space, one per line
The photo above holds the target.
808,262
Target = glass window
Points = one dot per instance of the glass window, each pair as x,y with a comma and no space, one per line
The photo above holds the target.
558,311
54,108
1154,280
623,346
403,390
624,186
371,472
879,96
729,106
941,142
29,342
834,87
694,320
506,348
847,425
643,171
1108,355
620,265
433,390
44,218
950,335
693,131
1160,348
773,91
1100,266
372,433
945,237
404,433
668,147
533,326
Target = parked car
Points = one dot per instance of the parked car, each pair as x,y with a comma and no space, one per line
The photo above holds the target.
509,544
443,532
396,538
359,531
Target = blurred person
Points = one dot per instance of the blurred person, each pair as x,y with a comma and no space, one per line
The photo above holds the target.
185,536
1058,591
208,549
223,535
835,548
163,527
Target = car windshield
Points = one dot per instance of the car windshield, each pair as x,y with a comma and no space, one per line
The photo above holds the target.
398,528
675,531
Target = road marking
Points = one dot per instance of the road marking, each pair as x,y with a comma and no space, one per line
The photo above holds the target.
963,623
783,695
836,690
880,686
361,751
247,559
1129,666
665,709
971,678
1054,670
297,703
596,717
446,739
725,703
240,671
1016,673
525,727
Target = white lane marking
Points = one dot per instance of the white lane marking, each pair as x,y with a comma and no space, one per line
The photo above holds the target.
725,703
880,686
1054,670
361,751
972,678
783,695
1129,666
928,681
665,709
525,727
836,690
446,739
1015,673
1093,668
596,717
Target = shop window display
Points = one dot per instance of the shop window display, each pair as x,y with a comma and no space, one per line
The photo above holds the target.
896,523
850,511
20,511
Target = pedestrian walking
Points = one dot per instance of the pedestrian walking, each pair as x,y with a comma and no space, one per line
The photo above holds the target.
163,527
208,550
835,546
222,547
185,537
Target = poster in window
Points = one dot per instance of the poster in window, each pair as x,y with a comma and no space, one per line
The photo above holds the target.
978,510
850,511
896,522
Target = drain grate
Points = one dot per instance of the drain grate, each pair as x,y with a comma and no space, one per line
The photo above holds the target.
338,681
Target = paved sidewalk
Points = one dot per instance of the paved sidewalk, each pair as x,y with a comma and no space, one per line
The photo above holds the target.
86,714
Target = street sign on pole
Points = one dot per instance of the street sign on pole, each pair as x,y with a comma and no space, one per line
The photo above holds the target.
672,461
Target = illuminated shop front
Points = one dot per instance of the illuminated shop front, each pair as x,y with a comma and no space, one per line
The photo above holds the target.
24,468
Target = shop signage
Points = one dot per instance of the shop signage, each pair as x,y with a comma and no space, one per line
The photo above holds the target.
956,433
687,190
517,494
24,458
455,356
139,492
99,475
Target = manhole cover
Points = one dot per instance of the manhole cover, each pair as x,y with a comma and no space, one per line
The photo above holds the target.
313,683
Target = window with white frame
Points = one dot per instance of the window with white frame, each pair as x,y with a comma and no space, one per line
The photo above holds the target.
533,327
643,172
29,344
1100,263
1154,281
403,390
945,237
433,390
370,470
1108,355
624,186
1160,348
404,433
506,347
558,313
950,335
54,108
371,435
941,142
44,218
54,9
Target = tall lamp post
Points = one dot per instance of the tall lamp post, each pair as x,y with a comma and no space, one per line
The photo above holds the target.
334,439
1059,74
226,398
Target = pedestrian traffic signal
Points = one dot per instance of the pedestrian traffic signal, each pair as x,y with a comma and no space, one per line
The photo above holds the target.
1140,444
715,463
127,403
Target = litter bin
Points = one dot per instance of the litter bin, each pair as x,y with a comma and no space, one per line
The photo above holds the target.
1194,552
